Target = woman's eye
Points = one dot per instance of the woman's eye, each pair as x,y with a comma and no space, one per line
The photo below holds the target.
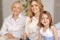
42,18
31,5
14,7
18,8
36,5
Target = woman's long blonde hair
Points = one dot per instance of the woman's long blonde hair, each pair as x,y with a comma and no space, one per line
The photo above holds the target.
30,13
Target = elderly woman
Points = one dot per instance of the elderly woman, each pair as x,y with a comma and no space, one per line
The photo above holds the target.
13,26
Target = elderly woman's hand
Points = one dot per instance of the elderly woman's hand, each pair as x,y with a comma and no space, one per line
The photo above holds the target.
9,35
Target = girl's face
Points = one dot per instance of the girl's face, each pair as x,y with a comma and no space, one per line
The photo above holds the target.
16,8
34,7
45,20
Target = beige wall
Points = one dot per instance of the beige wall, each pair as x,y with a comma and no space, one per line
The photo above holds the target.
1,13
57,11
6,7
48,5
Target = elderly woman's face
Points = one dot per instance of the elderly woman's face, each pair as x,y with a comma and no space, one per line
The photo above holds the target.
34,7
16,8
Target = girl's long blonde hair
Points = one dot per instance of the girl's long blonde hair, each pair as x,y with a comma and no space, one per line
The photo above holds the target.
49,17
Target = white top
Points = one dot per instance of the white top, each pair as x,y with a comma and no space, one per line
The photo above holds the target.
31,28
47,33
16,28
58,28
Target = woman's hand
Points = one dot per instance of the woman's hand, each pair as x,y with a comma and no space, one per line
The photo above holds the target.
9,35
24,36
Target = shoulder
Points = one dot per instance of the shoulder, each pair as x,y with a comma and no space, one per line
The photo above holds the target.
41,28
53,28
7,18
27,18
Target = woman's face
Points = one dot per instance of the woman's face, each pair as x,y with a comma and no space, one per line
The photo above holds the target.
45,20
16,8
34,7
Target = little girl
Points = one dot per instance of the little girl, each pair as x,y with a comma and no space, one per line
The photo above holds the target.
47,30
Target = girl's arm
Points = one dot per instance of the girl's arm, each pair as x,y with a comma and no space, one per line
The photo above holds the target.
55,33
39,37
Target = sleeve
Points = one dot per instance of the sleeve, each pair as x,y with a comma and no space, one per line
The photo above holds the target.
4,28
26,25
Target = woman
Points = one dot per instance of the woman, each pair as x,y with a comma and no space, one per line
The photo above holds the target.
13,26
31,29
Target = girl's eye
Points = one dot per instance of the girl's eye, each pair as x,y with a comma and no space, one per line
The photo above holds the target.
47,18
31,5
42,18
36,5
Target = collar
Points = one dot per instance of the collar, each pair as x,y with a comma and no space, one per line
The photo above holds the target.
19,16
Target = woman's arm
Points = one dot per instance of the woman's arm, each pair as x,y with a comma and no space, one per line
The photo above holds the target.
55,33
9,35
25,35
4,29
